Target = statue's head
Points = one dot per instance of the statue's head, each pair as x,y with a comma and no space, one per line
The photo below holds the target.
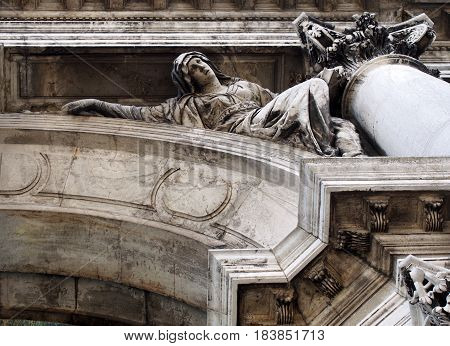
192,70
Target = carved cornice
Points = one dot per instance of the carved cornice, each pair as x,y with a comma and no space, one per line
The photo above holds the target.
170,16
388,307
387,247
179,32
230,30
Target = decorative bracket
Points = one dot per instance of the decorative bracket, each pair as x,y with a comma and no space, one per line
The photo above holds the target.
285,298
354,241
377,220
433,218
367,40
325,278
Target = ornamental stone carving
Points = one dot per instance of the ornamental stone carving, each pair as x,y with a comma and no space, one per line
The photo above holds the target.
377,220
325,278
428,288
207,98
285,299
368,39
433,218
354,241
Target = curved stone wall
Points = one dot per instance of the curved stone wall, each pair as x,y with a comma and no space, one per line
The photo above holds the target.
136,204
75,300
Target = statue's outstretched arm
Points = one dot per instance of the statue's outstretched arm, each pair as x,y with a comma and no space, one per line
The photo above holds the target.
115,110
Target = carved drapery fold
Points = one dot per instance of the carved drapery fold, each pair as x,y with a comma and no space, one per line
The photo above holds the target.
428,288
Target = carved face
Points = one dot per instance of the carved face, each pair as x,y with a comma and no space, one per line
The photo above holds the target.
200,72
190,76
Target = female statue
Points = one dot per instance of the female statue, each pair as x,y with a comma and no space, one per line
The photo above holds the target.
207,98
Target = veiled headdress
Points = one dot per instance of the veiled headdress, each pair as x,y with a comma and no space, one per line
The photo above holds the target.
182,79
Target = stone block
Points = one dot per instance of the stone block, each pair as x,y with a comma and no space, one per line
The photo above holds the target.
20,292
111,300
166,311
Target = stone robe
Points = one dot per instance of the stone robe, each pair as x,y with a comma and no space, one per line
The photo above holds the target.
298,116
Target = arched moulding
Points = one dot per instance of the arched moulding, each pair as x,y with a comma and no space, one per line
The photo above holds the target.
23,173
187,201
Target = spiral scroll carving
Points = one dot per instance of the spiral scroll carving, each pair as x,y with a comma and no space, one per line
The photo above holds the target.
434,219
378,218
285,298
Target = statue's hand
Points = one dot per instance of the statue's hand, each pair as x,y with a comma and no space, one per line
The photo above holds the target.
78,107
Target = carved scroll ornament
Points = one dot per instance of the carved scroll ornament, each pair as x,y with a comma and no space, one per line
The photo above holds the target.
377,214
357,242
433,215
325,278
366,40
285,298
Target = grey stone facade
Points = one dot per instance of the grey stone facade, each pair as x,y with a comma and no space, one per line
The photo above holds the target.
113,221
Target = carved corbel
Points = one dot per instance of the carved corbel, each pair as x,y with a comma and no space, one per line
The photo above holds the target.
433,218
376,214
325,278
285,299
354,241
428,289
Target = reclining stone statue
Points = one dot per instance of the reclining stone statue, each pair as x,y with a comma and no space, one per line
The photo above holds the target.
207,98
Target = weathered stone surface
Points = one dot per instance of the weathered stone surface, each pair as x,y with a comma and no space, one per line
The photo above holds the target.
49,78
59,244
218,12
96,248
36,292
96,298
162,310
136,212
210,211
121,238
77,300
